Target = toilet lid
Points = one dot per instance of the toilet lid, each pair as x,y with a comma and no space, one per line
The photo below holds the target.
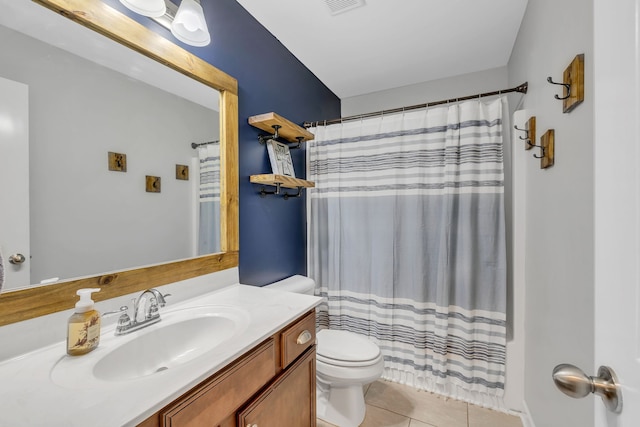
345,346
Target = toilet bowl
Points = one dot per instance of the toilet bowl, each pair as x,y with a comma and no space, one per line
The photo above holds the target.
345,362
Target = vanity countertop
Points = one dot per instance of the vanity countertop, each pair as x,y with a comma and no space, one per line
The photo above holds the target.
29,397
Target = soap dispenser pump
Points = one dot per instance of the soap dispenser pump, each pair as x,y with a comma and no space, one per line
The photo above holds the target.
83,333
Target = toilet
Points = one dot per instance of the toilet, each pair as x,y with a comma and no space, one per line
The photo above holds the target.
345,362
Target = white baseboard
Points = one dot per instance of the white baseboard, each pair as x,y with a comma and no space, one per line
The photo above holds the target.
525,416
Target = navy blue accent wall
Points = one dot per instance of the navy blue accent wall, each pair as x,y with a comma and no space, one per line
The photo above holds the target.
270,78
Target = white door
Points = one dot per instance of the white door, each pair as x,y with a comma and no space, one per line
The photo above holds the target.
617,203
14,181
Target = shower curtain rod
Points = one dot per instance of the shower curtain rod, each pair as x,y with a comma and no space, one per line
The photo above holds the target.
521,89
195,145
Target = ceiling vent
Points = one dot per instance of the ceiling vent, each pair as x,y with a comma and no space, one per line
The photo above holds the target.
340,6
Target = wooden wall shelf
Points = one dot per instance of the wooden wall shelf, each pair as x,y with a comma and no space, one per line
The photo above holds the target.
282,180
288,130
279,127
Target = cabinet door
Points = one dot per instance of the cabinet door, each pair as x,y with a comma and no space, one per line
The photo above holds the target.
290,401
210,404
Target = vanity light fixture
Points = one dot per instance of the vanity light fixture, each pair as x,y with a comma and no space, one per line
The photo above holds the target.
186,22
150,8
189,25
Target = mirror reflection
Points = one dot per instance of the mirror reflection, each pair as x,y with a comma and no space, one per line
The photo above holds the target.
80,217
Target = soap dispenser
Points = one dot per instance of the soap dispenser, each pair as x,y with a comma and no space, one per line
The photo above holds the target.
83,333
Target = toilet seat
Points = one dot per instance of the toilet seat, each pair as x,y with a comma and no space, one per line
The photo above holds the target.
343,348
342,363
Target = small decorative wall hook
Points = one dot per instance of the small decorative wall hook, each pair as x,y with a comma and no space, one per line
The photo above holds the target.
567,87
573,82
541,148
526,132
530,133
547,141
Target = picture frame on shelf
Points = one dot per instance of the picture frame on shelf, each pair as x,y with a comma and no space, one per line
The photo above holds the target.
280,158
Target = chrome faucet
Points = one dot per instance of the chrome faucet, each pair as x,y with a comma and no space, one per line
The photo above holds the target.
145,312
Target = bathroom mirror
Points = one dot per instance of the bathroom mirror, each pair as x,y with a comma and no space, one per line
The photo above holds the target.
81,108
35,301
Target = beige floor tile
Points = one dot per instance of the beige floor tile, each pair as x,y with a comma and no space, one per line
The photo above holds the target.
377,417
481,417
423,406
365,388
321,423
416,423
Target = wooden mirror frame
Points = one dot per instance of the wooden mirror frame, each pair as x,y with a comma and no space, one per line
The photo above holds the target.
37,301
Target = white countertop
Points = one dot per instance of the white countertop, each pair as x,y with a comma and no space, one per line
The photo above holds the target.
29,397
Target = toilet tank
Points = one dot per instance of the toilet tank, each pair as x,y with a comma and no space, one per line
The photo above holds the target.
298,284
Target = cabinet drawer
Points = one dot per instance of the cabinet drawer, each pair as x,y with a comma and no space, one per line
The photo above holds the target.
213,401
297,338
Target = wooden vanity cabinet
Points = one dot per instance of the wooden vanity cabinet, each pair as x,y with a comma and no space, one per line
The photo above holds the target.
273,384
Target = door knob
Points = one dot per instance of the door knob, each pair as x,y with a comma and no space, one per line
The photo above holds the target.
17,259
573,382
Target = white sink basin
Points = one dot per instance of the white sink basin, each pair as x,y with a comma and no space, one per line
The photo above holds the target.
180,337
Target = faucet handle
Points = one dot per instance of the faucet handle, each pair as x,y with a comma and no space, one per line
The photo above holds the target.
124,320
153,309
122,309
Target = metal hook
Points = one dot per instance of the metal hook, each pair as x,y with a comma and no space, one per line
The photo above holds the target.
566,85
540,147
526,131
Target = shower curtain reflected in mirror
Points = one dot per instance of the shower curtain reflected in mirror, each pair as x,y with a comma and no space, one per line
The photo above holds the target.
209,199
407,243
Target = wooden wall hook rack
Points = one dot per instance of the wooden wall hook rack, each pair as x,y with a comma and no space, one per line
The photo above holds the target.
573,83
530,133
547,144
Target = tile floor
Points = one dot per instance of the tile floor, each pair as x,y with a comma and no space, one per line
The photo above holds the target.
395,405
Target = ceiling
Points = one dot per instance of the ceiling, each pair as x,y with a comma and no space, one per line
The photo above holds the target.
391,43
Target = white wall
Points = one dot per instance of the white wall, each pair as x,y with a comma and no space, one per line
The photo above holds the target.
421,93
559,248
86,219
458,86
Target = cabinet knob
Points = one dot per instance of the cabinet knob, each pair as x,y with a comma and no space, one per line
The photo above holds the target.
252,425
304,337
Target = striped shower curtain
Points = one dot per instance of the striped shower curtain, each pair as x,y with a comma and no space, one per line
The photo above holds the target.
407,243
209,192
